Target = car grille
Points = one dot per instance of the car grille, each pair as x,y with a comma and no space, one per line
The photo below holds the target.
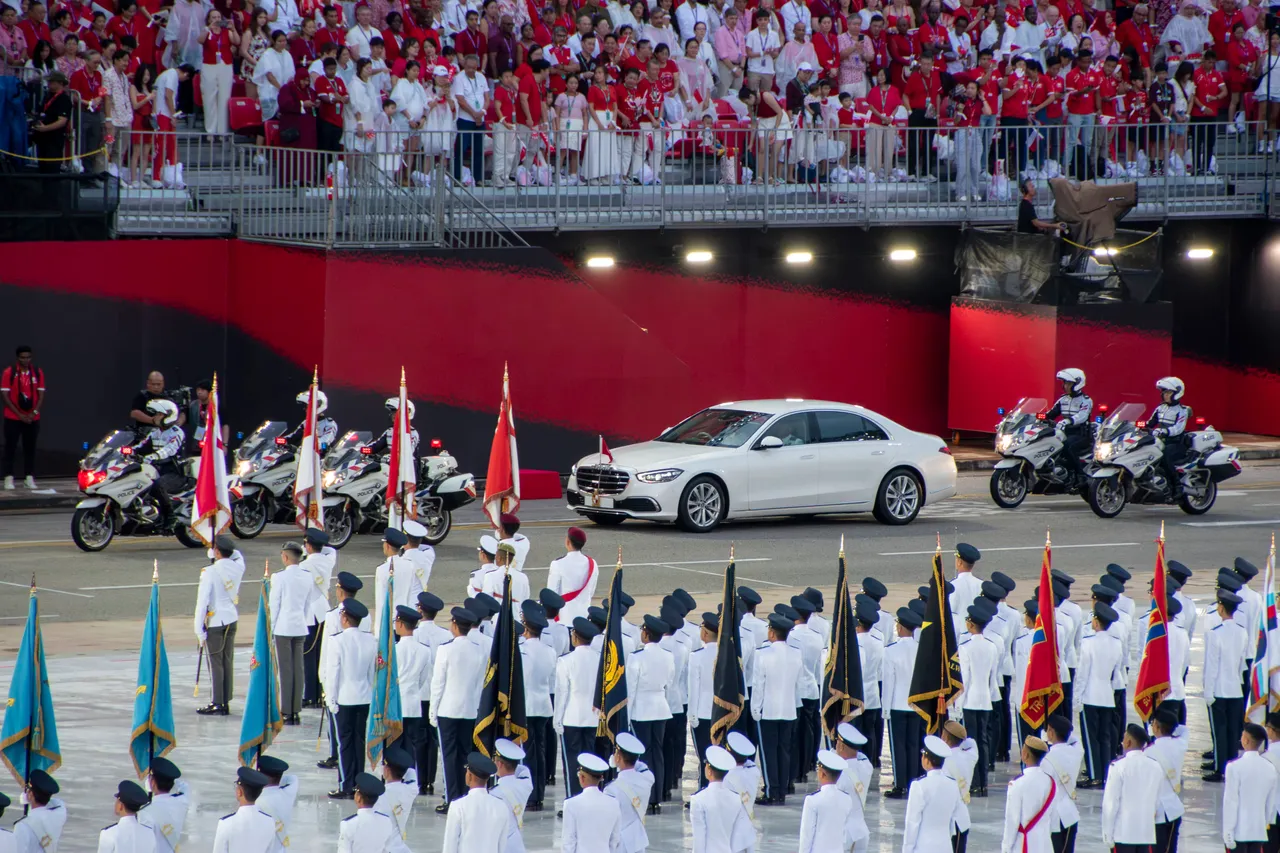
594,479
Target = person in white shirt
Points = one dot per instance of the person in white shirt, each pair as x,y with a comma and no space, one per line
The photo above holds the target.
702,668
419,552
960,766
166,814
854,780
631,787
979,662
414,660
675,735
744,779
718,817
398,572
904,722
1027,809
456,679
359,36
504,566
824,820
763,48
1021,656
274,69
1250,607
349,675
807,738
128,835
347,587
289,614
320,562
401,788
775,695
592,819
46,816
1179,655
512,788
538,667
573,577
248,829
1101,663
1169,748
279,795
216,618
871,654
933,804
650,674
369,830
509,531
1131,796
1224,655
967,586
1062,582
433,636
1251,795
1063,762
282,15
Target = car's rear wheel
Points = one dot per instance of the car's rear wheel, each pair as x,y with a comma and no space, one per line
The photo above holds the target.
900,498
605,519
703,505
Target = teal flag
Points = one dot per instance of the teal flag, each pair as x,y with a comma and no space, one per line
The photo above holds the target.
385,719
152,702
262,720
29,736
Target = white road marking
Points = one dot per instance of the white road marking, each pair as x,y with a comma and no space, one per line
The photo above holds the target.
714,574
670,565
1230,523
45,589
1019,548
24,618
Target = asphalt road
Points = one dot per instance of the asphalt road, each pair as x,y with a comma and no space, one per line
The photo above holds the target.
784,553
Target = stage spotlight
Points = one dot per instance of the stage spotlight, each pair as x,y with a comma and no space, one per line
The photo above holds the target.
799,257
599,262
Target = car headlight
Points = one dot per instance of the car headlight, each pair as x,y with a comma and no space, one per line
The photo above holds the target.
661,475
1103,450
245,467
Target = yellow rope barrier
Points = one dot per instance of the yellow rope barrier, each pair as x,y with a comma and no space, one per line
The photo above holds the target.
1114,249
81,155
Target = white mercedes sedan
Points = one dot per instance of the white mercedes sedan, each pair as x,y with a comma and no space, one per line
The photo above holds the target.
758,458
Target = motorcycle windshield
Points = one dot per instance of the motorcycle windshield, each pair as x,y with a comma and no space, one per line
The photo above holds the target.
1124,413
1023,414
347,449
261,439
102,453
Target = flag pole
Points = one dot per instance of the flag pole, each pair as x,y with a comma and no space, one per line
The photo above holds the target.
31,722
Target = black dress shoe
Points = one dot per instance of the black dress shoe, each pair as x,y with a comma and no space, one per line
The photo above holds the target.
686,805
654,808
443,808
560,813
431,787
896,794
791,787
982,792
1208,753
340,794
212,710
327,764
534,807
1213,777
764,801
1090,784
551,780
1208,765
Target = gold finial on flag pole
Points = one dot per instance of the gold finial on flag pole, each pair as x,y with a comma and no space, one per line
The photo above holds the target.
1161,530
402,376
730,552
939,546
1046,537
842,546
155,571
33,583
619,556
266,568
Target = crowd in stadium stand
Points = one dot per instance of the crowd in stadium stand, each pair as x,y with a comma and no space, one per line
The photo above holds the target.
508,92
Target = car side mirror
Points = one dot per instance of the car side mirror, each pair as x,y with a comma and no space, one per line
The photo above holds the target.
769,442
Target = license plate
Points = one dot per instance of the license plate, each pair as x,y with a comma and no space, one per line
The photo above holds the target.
597,500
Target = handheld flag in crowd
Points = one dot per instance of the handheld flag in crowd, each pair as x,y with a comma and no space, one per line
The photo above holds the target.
611,680
502,708
386,718
842,677
402,479
262,721
29,735
1042,690
211,504
1264,675
308,490
1153,673
152,735
728,686
502,483
936,681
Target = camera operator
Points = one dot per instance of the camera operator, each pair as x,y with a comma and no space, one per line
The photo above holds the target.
198,411
1028,223
141,417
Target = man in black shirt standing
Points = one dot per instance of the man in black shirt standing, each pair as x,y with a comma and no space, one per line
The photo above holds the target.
50,130
154,391
1027,221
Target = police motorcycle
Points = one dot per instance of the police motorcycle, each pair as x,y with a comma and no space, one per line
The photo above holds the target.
443,490
261,484
122,497
1130,470
1032,457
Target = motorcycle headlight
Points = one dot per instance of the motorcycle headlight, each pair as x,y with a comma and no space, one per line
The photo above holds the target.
1003,443
1103,450
245,467
330,479
661,475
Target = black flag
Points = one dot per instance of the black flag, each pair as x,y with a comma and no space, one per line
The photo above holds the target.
501,713
936,680
728,689
611,677
842,678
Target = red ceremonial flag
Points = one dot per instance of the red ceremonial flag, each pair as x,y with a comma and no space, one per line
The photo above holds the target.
210,507
605,455
307,489
1042,691
401,481
1153,674
502,484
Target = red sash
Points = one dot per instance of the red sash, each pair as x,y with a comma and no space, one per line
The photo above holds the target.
591,572
1031,824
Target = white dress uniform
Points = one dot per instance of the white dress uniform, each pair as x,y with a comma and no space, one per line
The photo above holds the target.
351,668
592,823
855,781
1072,650
631,788
166,814
278,801
898,667
397,802
423,559
966,587
128,836
775,695
824,820
40,829
1021,656
1179,655
759,630
1273,755
539,666
959,765
556,635
1130,798
1250,798
433,635
720,822
575,574
744,780
1187,616
218,594
288,602
809,644
651,687
404,589
933,805
1063,760
702,670
678,696
7,842
575,681
370,831
329,643
414,661
1101,664
1028,795
248,829
821,624
456,678
475,583
320,568
521,543
493,583
513,792
1169,752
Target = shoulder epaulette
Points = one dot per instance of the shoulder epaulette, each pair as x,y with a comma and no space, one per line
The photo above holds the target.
108,826
345,819
225,816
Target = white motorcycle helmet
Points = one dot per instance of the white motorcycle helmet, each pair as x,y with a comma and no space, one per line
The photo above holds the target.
167,408
393,403
1173,384
322,401
1073,380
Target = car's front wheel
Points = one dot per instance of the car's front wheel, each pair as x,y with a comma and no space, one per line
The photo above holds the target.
900,498
702,505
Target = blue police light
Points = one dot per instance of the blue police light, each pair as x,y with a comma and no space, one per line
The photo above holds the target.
1098,419
1000,411
239,435
85,446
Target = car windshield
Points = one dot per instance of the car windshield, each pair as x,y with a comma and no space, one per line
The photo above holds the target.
716,428
349,445
261,438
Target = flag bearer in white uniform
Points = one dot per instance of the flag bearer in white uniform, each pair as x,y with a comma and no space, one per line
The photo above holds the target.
291,591
967,586
129,835
349,690
1027,809
574,718
400,571
319,563
574,577
538,664
42,826
413,671
167,812
510,532
592,819
216,619
348,586
631,788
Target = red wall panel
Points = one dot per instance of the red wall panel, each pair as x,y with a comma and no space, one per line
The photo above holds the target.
999,353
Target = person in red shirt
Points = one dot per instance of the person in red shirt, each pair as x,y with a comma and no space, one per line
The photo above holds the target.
1136,33
883,101
902,53
331,32
1221,23
135,23
331,95
22,391
394,37
826,45
303,47
1241,55
33,26
218,43
1082,85
923,94
931,34
1111,93
640,59
1046,107
631,102
471,40
506,139
1207,102
560,56
1017,89
879,46
87,82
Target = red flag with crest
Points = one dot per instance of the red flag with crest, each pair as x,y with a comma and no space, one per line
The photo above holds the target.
1042,691
502,483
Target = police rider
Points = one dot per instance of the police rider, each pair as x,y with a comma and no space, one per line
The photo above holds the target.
1072,412
160,445
1169,421
382,444
326,427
